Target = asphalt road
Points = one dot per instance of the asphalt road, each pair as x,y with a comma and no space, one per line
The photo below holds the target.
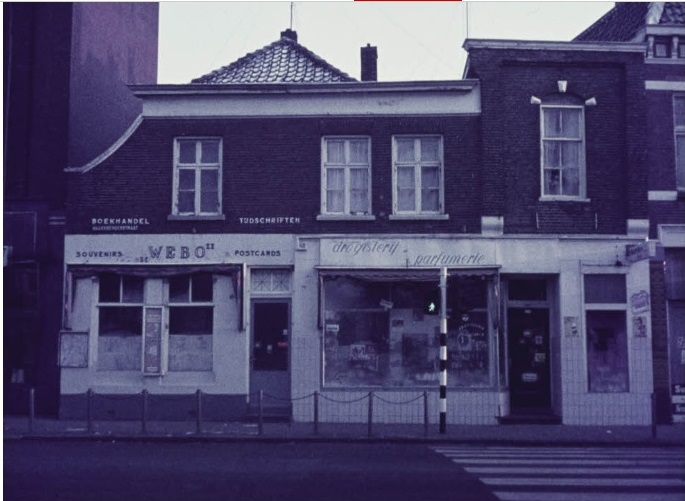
130,471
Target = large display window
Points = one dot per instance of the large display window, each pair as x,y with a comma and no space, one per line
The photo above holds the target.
385,332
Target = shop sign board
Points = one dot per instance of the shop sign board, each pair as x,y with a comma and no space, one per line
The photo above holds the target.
179,249
407,253
637,252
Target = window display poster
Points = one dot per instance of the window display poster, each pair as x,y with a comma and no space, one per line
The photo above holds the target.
153,341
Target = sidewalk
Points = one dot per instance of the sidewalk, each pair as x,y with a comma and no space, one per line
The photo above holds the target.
19,428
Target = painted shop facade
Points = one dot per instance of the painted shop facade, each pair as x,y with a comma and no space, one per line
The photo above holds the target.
287,237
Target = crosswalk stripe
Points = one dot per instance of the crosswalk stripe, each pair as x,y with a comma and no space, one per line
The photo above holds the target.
503,470
586,482
575,474
585,496
597,462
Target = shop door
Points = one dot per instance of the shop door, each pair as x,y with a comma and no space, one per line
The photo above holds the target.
270,351
529,370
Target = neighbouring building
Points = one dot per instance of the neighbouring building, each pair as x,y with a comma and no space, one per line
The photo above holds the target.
65,71
660,28
278,226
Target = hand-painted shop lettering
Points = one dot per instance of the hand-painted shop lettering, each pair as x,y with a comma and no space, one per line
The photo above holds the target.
269,220
355,248
117,223
182,252
443,259
253,253
84,254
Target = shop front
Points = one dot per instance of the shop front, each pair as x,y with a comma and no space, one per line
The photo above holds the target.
537,329
173,315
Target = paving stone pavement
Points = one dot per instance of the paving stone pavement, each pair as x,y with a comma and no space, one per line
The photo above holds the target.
54,429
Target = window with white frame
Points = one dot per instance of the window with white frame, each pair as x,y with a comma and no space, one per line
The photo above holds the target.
191,322
197,177
270,281
417,175
120,322
562,151
606,330
346,176
679,128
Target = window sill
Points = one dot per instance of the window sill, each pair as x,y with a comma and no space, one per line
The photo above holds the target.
419,217
563,199
345,217
214,217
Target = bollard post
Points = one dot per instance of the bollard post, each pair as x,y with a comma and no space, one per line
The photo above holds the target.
260,417
32,408
89,409
316,413
653,402
370,431
144,412
425,413
443,350
199,411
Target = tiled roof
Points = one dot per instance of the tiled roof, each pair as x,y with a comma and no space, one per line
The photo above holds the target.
674,13
283,61
624,22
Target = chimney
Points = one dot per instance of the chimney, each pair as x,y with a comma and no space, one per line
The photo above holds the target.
369,68
292,35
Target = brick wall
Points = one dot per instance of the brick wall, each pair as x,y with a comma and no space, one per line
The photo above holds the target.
272,167
511,136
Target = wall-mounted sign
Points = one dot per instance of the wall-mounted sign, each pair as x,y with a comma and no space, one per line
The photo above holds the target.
263,221
152,347
179,249
407,252
116,224
639,302
73,349
571,326
637,252
639,326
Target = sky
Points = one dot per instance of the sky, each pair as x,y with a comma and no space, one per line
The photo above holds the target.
415,40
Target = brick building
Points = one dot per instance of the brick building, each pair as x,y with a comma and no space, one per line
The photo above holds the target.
65,70
660,28
278,226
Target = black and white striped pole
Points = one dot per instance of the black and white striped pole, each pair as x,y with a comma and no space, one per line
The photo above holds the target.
443,350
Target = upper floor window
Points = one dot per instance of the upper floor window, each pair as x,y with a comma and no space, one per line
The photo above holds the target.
679,127
562,152
197,177
418,175
346,176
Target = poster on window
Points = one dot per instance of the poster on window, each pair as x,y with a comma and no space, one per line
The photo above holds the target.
152,355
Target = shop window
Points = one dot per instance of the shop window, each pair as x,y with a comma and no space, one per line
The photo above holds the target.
197,177
378,334
679,130
563,151
346,176
418,175
120,322
191,322
607,339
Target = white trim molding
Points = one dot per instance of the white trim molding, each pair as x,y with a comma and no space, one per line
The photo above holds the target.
672,235
472,43
492,226
678,86
109,151
637,228
662,196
